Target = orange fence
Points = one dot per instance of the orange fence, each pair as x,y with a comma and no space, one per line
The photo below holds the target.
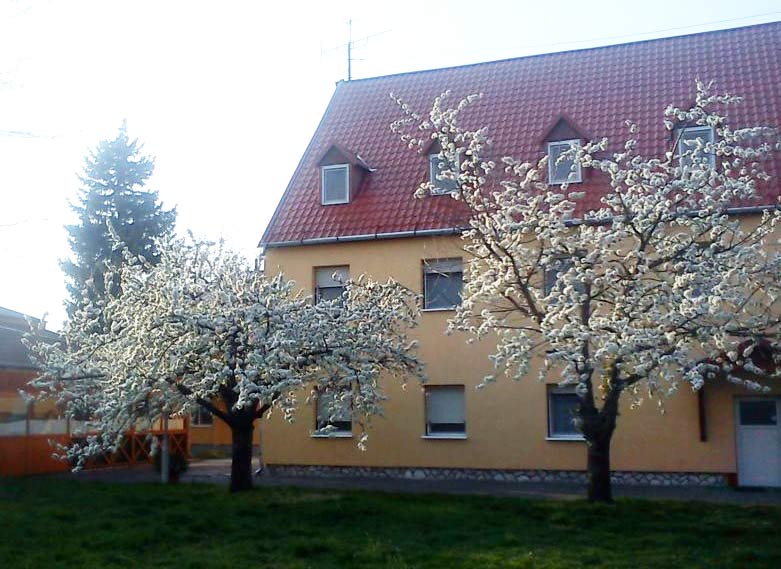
32,454
20,455
29,433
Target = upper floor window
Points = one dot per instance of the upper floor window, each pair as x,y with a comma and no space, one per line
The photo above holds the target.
687,140
335,184
334,413
566,170
558,267
442,283
445,411
330,282
438,165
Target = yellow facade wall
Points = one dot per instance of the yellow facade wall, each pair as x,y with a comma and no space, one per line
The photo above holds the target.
506,422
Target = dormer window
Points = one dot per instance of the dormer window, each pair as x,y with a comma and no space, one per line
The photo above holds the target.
564,171
335,184
687,139
438,165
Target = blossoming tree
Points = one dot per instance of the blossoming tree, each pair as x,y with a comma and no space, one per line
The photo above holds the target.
202,328
663,285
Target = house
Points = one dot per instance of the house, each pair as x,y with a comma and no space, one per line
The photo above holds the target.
29,428
25,427
349,209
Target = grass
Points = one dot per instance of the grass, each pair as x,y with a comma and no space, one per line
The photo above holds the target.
62,523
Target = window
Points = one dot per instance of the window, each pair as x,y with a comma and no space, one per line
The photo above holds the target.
13,415
758,412
330,282
557,267
566,171
562,406
46,419
445,412
202,418
334,414
442,282
686,143
437,165
335,183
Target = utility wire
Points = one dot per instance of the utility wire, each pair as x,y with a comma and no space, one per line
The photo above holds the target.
638,34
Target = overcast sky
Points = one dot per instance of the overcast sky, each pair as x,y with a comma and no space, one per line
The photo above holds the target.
226,95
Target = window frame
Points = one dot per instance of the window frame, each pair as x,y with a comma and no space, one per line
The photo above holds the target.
577,171
333,269
323,170
679,152
433,176
323,431
427,268
550,392
560,265
196,418
451,435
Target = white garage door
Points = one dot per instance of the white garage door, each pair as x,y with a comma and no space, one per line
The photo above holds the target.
759,441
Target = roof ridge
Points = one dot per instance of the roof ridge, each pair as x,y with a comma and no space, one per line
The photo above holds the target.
552,53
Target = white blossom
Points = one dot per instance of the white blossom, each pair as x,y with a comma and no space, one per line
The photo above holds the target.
663,285
202,327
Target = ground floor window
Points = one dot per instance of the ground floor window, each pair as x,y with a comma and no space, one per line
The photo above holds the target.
334,414
562,406
202,418
445,411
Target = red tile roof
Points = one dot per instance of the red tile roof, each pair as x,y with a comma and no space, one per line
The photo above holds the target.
596,89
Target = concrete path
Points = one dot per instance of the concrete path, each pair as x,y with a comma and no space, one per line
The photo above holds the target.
218,472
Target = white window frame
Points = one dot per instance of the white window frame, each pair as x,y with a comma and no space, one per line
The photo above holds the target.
455,434
576,174
679,146
434,160
196,418
323,170
331,271
553,390
434,266
324,431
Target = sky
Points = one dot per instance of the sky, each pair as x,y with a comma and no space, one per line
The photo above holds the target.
225,95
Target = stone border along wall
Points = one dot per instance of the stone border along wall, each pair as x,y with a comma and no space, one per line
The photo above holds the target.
571,476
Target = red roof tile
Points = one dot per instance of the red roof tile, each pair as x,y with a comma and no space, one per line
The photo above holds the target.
597,89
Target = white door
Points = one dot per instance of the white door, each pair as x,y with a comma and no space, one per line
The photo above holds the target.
759,441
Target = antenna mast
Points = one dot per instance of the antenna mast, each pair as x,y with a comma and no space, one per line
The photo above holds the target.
351,45
350,49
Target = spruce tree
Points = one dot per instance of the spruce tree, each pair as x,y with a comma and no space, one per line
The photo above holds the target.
112,191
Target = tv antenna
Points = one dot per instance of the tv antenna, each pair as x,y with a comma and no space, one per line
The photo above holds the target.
351,45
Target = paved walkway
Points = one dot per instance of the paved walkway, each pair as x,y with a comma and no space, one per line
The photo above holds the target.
218,472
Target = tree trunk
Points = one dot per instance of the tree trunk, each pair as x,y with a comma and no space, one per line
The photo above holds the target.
598,426
599,488
241,463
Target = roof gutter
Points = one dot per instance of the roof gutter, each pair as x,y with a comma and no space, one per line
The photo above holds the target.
366,237
746,210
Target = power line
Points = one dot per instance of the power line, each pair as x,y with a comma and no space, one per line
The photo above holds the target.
638,34
19,134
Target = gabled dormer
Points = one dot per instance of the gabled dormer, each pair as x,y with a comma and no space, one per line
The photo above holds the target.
562,136
436,167
341,175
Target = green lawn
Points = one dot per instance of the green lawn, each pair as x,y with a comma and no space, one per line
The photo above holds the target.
59,524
